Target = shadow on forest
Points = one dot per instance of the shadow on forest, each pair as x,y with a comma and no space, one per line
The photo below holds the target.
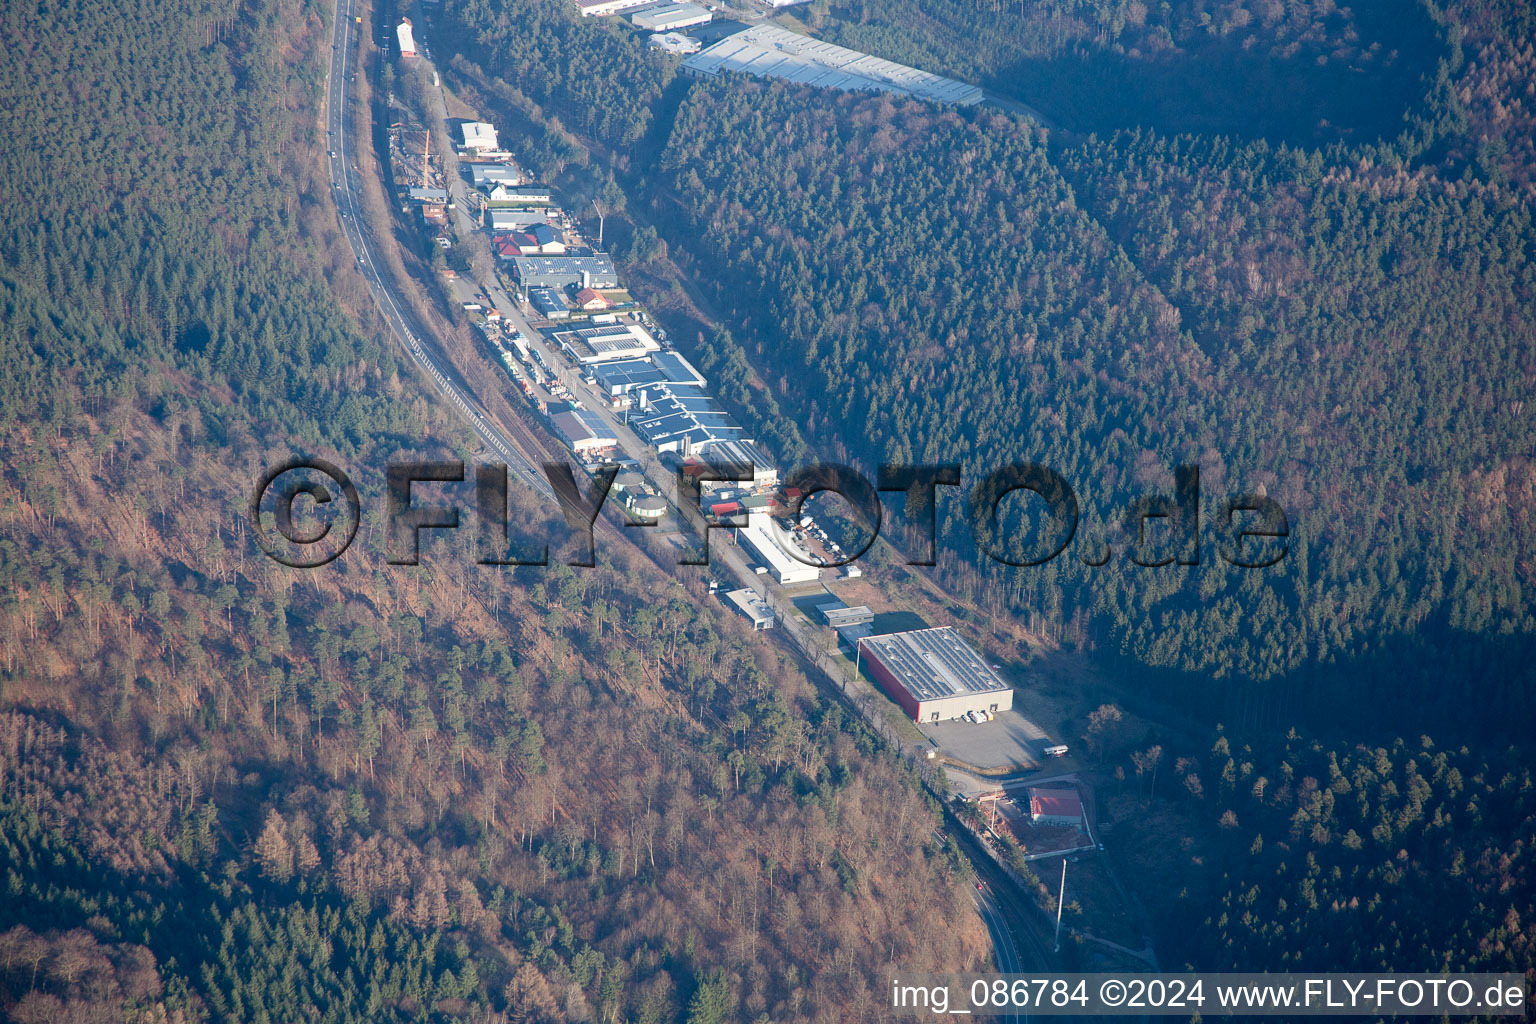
1213,85
1458,688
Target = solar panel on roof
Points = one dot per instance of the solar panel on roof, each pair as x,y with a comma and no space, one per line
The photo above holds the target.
934,663
770,51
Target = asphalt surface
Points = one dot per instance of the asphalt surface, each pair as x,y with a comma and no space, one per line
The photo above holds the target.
1006,953
345,184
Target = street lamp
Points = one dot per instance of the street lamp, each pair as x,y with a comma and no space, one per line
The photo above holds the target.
1060,898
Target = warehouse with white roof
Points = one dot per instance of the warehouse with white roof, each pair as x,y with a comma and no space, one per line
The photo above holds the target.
589,346
769,51
479,136
934,674
669,17
771,545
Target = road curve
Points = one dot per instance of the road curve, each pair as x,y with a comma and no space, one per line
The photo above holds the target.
1007,955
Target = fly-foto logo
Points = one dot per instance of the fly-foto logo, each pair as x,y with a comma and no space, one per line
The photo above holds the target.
305,513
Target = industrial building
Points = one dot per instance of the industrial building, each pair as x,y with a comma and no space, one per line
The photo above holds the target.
436,196
768,51
583,431
771,545
487,176
753,607
603,8
629,481
850,624
621,376
595,271
549,303
674,42
1055,806
590,345
671,16
534,240
479,136
519,195
504,219
842,618
404,37
740,452
934,675
680,418
649,507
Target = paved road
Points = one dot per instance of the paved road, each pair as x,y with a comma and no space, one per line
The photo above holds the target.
345,183
1006,954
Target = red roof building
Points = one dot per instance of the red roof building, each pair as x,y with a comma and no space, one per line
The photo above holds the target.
1055,807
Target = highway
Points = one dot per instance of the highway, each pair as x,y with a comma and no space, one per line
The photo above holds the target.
348,32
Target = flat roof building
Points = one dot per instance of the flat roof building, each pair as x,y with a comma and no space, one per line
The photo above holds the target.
674,42
503,219
851,635
841,618
549,303
681,418
603,8
436,196
583,431
753,607
591,345
769,51
771,545
518,195
621,376
934,674
595,271
479,136
671,16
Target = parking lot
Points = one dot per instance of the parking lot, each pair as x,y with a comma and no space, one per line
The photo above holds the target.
1009,740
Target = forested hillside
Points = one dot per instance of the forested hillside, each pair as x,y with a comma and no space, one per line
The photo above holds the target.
1346,337
234,792
594,74
1347,329
1312,71
1303,855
